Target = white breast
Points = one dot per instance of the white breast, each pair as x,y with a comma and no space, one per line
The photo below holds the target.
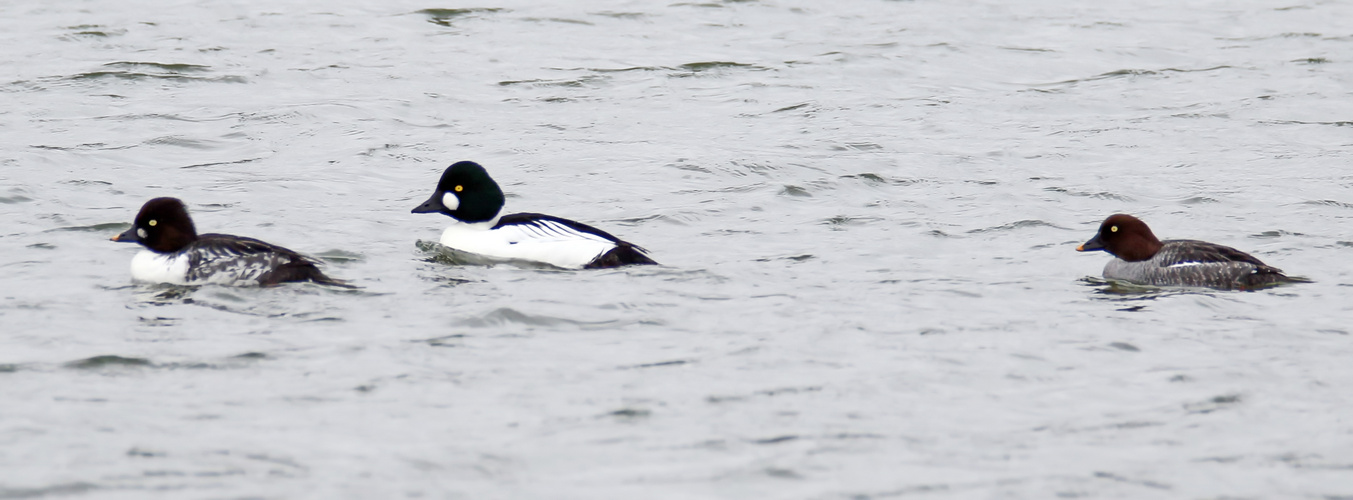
154,267
544,241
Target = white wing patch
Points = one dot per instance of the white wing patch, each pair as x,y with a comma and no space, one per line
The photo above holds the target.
548,230
1186,264
542,240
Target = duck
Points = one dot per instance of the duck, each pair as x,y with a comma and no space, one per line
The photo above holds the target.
174,253
472,199
1141,258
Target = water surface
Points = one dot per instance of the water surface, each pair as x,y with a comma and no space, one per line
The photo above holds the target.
866,214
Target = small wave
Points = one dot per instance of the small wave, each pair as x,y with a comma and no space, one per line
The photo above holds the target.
220,163
621,15
712,65
615,70
707,5
1290,34
340,256
1301,122
795,258
1016,225
444,17
658,364
85,182
92,146
746,188
137,76
453,340
56,490
807,107
107,361
875,179
1130,73
183,142
629,414
634,221
1275,234
115,361
705,67
509,316
843,220
92,31
768,393
580,82
1102,195
1328,203
1221,402
166,67
119,226
561,20
856,146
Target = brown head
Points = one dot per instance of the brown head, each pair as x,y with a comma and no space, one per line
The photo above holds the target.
1124,236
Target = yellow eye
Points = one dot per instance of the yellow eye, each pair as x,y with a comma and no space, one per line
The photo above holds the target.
151,223
1113,228
460,188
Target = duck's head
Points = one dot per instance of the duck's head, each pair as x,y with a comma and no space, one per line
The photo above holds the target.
162,225
1124,236
466,193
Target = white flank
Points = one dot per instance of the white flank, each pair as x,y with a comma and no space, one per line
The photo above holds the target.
1185,264
542,241
156,267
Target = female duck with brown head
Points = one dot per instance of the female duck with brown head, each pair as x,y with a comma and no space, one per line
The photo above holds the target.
1143,259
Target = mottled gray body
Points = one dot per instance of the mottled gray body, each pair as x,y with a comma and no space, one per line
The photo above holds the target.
1196,263
235,260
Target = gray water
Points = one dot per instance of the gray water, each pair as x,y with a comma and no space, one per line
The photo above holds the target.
866,210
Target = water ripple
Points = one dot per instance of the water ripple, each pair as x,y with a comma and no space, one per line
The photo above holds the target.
509,316
445,17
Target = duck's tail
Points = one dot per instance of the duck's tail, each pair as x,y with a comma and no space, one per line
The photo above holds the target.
624,254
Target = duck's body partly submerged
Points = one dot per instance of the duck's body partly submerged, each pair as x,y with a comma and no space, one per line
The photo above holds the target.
468,195
1197,263
1141,258
174,253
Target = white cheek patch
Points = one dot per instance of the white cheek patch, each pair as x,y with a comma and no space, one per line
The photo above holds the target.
450,201
141,232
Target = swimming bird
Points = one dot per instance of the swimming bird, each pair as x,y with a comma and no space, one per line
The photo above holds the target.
474,201
174,253
1141,258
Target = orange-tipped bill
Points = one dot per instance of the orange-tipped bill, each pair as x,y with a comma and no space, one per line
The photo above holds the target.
1093,244
128,236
